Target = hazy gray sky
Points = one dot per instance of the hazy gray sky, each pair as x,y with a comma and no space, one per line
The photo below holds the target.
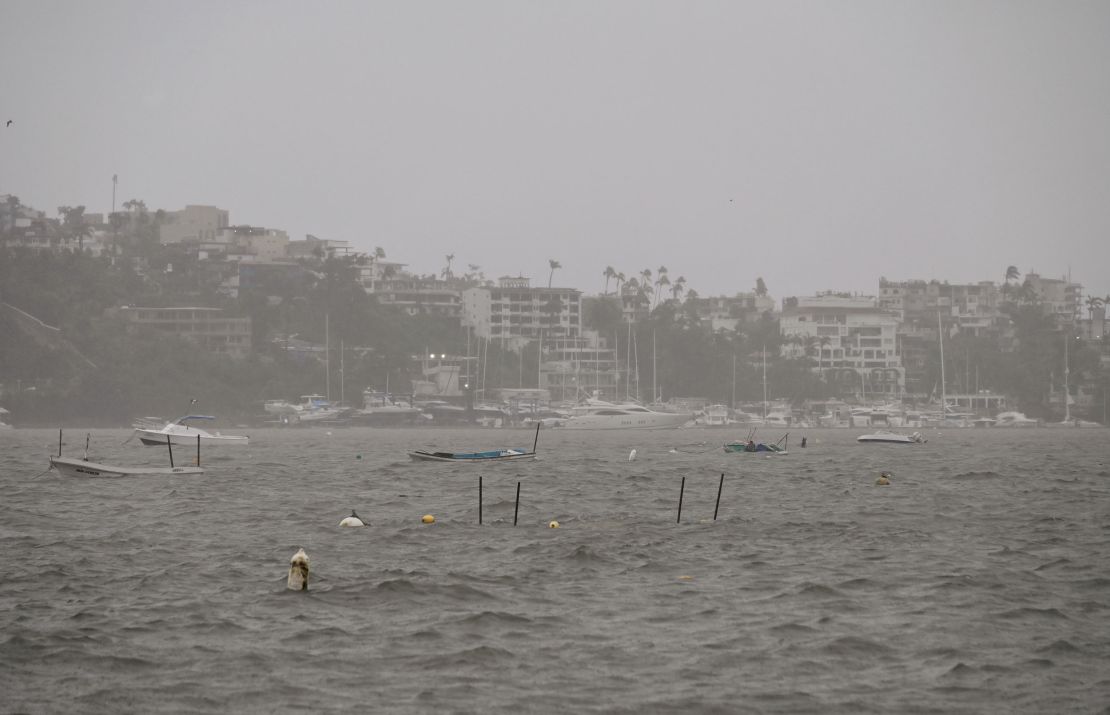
817,144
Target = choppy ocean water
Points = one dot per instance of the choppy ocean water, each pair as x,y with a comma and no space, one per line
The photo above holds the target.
979,581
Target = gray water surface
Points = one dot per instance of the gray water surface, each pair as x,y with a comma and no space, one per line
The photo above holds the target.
977,582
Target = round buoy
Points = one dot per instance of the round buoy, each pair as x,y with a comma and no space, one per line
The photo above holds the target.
353,520
883,480
358,456
553,524
428,519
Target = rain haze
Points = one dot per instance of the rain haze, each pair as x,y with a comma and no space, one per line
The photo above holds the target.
535,357
818,145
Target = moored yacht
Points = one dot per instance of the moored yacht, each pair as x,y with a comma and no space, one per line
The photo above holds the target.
599,414
155,433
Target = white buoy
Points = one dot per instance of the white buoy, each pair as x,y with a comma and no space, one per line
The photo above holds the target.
632,456
298,572
353,520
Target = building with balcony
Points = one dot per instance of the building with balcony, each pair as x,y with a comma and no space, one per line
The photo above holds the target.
854,340
515,313
207,327
576,367
1058,296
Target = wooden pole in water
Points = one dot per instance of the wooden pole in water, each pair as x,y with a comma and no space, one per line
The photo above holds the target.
86,446
170,448
537,439
516,509
479,500
719,488
681,489
198,450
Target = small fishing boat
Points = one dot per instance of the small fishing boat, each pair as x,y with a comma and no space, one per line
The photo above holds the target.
750,446
153,432
755,447
73,467
491,455
884,436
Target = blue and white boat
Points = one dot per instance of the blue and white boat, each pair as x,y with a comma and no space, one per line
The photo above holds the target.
155,433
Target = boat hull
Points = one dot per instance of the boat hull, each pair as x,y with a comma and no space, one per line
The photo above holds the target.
469,457
157,438
886,439
629,422
82,468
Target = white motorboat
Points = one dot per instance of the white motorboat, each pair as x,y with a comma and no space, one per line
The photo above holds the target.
599,414
1014,419
315,409
380,409
885,436
181,432
715,416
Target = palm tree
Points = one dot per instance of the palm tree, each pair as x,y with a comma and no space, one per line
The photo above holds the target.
1093,303
609,273
73,224
554,265
620,283
1012,274
760,287
678,287
661,281
447,270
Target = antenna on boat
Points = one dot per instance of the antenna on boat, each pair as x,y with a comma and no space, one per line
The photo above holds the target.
59,441
170,448
537,439
86,447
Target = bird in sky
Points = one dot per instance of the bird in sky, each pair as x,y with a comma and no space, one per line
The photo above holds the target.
9,123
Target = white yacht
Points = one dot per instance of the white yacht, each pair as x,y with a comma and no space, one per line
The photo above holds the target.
380,409
179,431
1014,419
599,414
888,437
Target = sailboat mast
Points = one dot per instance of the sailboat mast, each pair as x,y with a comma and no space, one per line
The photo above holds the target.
943,392
654,383
1067,407
764,384
327,357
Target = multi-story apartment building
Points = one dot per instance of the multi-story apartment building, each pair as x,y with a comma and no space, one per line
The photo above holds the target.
574,367
419,295
1059,296
961,308
514,312
205,326
855,341
192,223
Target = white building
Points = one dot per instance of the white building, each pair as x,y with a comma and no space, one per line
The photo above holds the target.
853,340
514,312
